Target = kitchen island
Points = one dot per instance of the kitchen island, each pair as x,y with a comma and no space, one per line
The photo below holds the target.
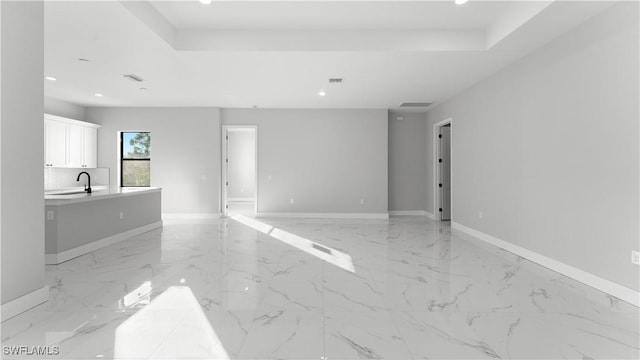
77,223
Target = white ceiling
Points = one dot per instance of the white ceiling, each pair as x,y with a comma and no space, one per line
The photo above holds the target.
331,15
270,54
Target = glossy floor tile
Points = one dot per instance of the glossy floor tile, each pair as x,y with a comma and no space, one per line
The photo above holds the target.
246,208
244,288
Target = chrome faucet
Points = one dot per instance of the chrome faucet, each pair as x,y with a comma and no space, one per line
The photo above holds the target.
87,186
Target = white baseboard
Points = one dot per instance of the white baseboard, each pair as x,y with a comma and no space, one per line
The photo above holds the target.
607,286
241,199
191,216
54,259
324,215
24,303
411,213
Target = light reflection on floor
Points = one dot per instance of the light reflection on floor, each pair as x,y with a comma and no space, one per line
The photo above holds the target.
172,326
333,256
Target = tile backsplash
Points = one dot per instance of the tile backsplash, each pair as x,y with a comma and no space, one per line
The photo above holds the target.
64,178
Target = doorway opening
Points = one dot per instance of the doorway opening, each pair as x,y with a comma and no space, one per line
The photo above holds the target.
442,170
239,170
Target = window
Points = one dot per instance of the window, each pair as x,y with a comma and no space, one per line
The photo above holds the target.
135,159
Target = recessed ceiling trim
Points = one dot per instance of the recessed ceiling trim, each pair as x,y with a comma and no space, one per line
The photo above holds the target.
415,104
329,40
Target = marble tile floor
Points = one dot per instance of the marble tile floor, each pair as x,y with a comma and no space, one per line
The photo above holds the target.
246,208
407,288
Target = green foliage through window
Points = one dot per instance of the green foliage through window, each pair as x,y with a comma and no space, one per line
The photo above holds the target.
135,153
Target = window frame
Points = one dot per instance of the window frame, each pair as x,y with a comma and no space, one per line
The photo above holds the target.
123,159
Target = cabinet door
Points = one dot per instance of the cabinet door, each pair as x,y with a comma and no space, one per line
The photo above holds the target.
90,147
46,143
76,146
56,143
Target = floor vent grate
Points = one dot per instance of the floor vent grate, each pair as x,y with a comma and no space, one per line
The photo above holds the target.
321,248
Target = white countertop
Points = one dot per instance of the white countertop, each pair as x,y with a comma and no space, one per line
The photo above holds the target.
98,193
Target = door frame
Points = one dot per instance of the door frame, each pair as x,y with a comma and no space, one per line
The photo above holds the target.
223,165
436,168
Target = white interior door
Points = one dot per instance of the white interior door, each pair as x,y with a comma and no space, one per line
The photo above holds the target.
444,163
239,170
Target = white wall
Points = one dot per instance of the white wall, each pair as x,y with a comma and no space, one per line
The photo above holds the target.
547,149
22,133
241,152
64,109
326,160
407,162
185,152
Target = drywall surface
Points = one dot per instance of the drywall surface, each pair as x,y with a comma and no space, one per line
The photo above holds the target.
185,152
241,152
407,162
64,109
327,161
547,149
21,108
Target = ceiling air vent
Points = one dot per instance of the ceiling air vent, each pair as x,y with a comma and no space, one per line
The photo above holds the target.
335,80
415,104
133,77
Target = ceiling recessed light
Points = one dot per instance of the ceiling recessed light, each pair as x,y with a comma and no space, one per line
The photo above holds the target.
460,2
97,95
50,78
206,2
322,93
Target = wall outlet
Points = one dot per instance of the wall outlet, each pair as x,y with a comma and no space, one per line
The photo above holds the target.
49,214
291,201
121,215
635,257
480,214
361,201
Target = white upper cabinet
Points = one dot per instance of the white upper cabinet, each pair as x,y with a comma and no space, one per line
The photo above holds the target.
70,143
55,143
76,146
90,147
